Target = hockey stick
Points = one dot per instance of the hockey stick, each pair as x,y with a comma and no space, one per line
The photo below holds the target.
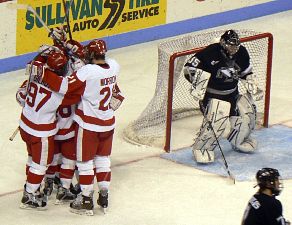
221,151
31,9
11,138
66,10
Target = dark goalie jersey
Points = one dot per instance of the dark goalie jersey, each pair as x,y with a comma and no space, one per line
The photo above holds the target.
263,209
213,60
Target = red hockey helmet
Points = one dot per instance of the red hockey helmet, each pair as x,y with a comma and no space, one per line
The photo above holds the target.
95,48
57,62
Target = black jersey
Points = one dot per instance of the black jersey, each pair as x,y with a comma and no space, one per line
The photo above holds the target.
213,60
263,209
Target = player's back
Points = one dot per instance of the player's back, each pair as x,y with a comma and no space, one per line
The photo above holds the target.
38,116
94,107
263,210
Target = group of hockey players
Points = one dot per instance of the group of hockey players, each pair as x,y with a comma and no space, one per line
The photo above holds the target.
67,123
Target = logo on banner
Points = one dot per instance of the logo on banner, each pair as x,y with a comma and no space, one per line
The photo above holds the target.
89,19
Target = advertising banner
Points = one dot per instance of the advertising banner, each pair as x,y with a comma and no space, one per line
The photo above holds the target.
89,19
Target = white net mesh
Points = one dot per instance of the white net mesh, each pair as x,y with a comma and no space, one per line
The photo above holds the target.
150,127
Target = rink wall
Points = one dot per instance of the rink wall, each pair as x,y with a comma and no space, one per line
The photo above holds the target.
174,19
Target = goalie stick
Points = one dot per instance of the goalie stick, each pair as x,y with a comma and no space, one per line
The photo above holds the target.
221,151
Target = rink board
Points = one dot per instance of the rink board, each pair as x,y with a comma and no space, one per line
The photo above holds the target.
274,150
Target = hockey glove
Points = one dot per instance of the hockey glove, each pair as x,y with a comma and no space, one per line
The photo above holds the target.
36,71
46,49
77,64
58,33
21,94
116,101
198,94
117,98
199,85
75,48
252,87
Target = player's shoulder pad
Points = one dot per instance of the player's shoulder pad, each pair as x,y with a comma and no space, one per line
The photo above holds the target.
210,49
113,63
85,72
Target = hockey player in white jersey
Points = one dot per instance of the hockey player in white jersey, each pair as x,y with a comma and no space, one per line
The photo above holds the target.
96,83
38,125
61,171
216,88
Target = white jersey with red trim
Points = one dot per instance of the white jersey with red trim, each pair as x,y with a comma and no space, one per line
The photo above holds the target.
94,112
94,84
65,122
38,116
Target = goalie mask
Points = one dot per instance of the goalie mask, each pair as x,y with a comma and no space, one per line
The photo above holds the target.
57,62
230,42
269,178
96,49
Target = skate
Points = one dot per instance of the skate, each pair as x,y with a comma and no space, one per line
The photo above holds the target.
49,186
57,183
102,200
33,201
64,196
76,190
82,205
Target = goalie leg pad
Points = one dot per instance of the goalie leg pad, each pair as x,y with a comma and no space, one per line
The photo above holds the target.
205,143
243,125
247,107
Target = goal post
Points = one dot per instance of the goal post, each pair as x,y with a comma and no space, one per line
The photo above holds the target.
172,100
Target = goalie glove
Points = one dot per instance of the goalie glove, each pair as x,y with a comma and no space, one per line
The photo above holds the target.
252,87
21,94
117,98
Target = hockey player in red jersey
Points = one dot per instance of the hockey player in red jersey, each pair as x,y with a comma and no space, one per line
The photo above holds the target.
96,83
38,125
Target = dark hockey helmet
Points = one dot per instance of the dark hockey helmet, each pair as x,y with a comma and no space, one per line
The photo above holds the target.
230,42
96,49
269,178
57,62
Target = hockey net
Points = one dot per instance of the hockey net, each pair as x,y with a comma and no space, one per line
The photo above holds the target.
172,99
